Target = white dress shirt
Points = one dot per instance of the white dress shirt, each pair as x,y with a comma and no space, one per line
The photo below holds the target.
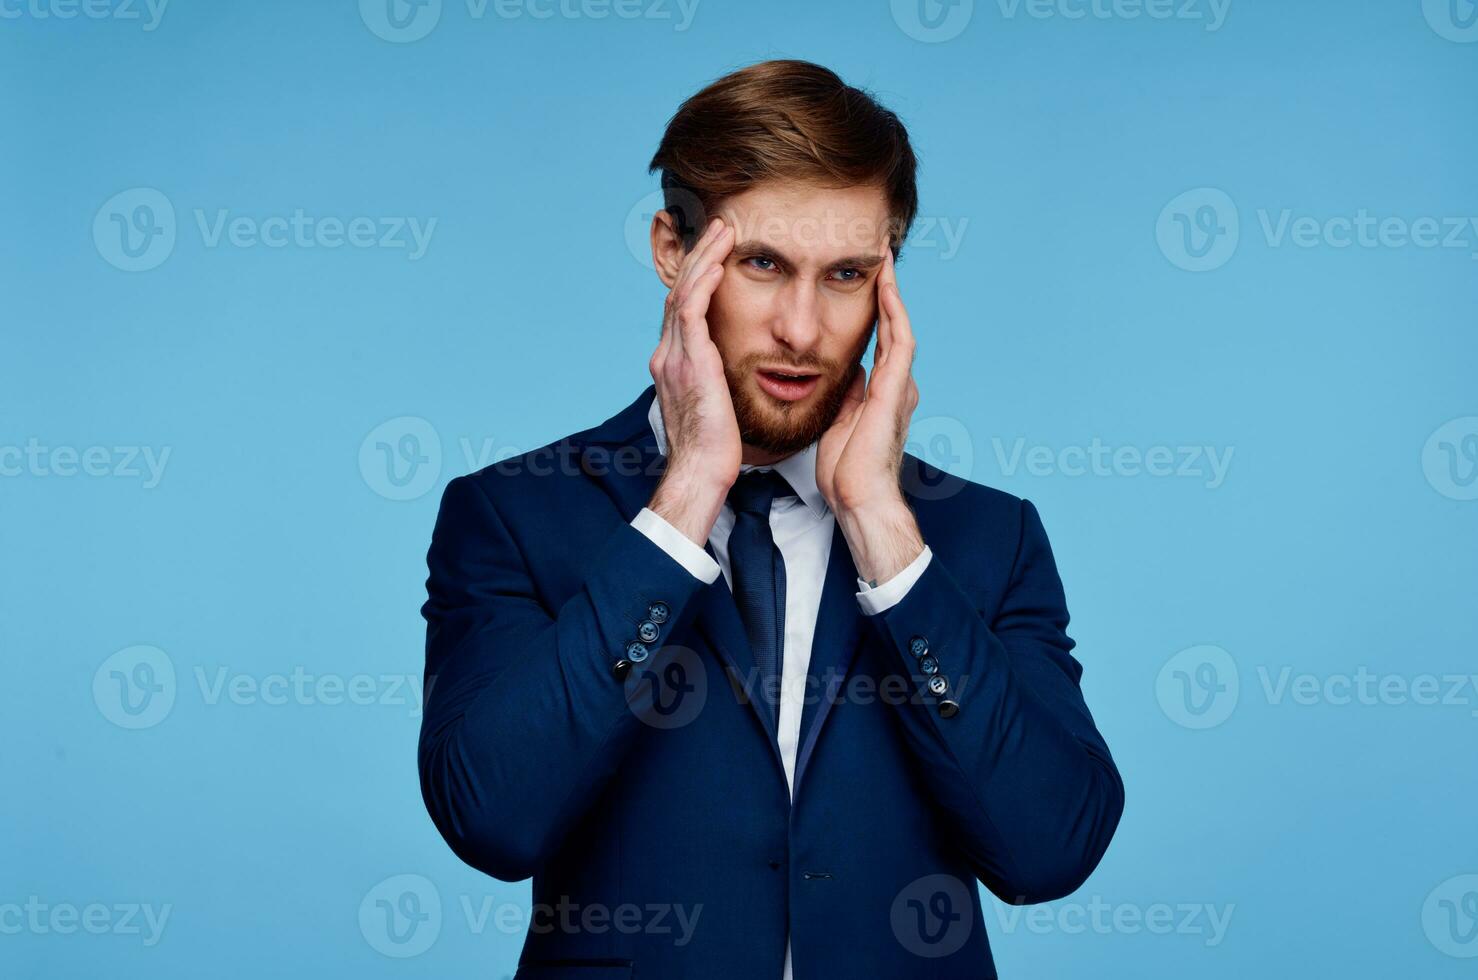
802,527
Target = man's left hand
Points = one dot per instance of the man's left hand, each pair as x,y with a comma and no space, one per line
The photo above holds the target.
859,457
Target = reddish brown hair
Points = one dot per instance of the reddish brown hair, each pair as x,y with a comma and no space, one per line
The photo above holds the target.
783,120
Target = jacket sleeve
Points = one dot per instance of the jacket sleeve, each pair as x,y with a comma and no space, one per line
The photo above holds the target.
1019,770
526,717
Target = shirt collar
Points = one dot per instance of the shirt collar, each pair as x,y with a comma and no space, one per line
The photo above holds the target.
799,468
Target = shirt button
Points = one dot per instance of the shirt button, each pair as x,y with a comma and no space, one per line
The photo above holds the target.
658,612
647,631
918,646
636,651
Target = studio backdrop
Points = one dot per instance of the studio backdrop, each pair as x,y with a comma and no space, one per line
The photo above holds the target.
1196,278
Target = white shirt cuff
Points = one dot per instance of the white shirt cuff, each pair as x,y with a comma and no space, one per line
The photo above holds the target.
890,593
677,544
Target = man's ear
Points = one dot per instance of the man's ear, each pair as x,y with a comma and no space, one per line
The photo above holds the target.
667,248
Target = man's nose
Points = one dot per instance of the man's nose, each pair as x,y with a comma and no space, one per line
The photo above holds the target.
797,322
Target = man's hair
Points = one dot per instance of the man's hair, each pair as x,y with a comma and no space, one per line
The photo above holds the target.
783,120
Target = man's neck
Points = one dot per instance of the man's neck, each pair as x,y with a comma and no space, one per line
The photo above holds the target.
753,456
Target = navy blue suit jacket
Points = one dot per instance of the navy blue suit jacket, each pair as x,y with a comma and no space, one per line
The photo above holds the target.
645,796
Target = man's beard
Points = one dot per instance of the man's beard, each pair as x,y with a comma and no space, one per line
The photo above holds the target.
782,428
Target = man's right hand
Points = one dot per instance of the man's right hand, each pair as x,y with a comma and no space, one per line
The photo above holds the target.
703,445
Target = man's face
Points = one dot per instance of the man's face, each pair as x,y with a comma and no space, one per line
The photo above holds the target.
798,297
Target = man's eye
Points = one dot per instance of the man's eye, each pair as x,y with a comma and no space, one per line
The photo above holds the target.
761,258
850,275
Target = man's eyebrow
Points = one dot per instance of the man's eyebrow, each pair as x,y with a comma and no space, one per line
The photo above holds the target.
751,247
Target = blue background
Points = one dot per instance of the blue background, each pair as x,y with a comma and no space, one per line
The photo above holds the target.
1326,831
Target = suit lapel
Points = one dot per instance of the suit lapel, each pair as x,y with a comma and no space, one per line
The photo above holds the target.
719,622
606,453
838,628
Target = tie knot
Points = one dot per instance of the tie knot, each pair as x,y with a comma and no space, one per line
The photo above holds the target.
755,489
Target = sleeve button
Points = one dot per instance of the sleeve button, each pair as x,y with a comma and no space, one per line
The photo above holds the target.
636,651
948,709
620,669
658,612
918,646
938,685
929,666
647,631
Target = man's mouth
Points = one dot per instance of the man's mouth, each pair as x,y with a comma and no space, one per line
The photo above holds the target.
787,385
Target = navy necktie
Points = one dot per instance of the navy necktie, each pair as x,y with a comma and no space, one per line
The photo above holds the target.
758,573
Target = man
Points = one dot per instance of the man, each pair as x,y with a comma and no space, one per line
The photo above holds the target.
746,689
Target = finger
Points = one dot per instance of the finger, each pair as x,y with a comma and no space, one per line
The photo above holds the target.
719,235
857,390
901,328
671,348
685,267
690,304
692,312
852,402
885,323
884,343
892,376
672,336
898,313
889,271
666,341
683,282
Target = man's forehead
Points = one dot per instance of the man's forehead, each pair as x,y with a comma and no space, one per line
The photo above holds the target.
820,223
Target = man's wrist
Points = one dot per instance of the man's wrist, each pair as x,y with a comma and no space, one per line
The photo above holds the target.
884,539
690,503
